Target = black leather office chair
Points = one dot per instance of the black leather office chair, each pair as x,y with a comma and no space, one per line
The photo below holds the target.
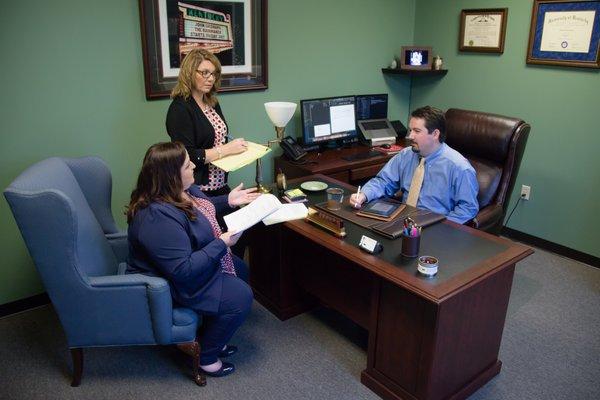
494,144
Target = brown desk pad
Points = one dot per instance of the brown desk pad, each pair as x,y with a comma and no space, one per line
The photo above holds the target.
391,229
348,212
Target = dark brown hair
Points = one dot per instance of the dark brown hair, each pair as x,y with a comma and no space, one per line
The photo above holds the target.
434,119
160,180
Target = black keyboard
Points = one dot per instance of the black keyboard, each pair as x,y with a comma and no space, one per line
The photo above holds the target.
363,156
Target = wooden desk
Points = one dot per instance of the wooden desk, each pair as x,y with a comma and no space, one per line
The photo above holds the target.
332,164
429,338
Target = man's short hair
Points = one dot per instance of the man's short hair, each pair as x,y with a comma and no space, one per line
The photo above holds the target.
434,119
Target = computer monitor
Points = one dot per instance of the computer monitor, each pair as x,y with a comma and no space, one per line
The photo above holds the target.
371,106
328,119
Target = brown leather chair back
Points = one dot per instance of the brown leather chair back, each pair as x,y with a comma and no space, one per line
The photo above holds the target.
494,144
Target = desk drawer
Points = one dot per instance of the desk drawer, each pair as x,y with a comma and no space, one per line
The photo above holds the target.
365,172
340,176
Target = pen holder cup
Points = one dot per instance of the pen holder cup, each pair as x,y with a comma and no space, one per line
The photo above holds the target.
410,245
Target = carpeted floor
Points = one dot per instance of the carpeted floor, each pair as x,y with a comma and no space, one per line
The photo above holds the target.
550,350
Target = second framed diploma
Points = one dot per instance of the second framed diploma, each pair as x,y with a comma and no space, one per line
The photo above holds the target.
483,30
565,33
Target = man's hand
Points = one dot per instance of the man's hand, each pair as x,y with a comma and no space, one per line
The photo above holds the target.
356,200
240,196
230,238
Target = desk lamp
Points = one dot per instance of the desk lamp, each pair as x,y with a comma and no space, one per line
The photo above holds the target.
280,113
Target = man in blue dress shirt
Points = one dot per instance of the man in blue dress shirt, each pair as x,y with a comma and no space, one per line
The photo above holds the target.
448,185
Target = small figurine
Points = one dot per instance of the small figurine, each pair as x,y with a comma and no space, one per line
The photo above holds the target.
437,62
394,64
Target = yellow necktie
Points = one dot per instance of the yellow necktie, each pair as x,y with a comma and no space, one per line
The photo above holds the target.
416,183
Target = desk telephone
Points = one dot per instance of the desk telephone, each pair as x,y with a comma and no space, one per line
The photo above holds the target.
292,150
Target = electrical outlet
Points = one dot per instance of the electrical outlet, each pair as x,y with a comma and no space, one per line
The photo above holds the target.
525,192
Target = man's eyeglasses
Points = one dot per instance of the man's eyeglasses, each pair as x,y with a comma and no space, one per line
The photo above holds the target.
207,74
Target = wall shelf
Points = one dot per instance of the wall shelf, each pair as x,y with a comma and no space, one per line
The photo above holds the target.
414,72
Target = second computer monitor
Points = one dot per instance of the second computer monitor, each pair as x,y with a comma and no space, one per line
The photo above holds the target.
328,119
371,106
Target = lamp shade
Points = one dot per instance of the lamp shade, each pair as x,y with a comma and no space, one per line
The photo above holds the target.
280,112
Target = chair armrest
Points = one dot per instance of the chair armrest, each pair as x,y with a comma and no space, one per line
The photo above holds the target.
152,282
120,246
140,306
488,218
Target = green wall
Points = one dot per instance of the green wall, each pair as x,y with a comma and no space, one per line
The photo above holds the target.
561,162
72,80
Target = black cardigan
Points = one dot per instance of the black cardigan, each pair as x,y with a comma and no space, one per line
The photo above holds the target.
186,123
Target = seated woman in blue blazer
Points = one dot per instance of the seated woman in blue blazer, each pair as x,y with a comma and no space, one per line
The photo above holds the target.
173,233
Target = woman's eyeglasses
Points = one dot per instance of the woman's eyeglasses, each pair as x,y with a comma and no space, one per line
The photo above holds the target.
207,74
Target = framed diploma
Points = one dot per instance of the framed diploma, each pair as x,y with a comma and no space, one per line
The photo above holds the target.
483,30
565,33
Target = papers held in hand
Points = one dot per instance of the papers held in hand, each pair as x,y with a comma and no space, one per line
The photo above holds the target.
237,161
266,208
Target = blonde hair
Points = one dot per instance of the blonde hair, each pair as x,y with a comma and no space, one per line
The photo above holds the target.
186,79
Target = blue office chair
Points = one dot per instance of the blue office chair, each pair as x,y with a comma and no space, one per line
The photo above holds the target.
62,207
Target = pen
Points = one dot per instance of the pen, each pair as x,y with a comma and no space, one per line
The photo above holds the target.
357,194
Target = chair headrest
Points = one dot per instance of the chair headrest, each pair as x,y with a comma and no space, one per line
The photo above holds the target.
480,134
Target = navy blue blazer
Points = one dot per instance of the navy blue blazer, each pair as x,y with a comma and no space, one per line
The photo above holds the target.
164,242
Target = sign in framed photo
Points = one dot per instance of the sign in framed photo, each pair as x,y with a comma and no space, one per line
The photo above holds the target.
565,33
483,30
234,30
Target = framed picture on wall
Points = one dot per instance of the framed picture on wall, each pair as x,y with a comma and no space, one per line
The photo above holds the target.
565,33
483,30
234,30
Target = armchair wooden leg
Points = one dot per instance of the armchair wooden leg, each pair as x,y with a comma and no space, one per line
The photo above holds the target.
77,356
192,349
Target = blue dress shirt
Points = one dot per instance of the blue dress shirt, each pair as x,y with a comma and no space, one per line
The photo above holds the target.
449,184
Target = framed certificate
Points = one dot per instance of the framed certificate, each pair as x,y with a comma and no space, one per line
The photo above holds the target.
483,30
565,33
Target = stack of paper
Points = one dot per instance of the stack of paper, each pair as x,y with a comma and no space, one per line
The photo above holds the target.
266,208
237,161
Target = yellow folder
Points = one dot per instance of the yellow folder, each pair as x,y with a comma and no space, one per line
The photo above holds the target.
237,161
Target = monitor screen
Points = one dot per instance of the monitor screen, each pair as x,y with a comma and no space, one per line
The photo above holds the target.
417,58
371,106
328,119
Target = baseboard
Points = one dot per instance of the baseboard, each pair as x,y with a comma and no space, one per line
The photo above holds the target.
552,247
24,304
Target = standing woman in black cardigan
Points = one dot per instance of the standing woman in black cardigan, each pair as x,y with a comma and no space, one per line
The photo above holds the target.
196,120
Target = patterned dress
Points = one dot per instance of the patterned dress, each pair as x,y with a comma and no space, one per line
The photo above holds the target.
208,210
216,176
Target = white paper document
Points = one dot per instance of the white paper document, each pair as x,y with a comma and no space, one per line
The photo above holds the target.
253,213
287,212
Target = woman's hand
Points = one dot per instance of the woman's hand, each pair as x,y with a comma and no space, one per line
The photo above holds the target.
240,196
230,238
236,146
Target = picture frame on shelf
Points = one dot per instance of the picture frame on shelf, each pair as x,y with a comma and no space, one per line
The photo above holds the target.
234,30
415,58
565,33
483,30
